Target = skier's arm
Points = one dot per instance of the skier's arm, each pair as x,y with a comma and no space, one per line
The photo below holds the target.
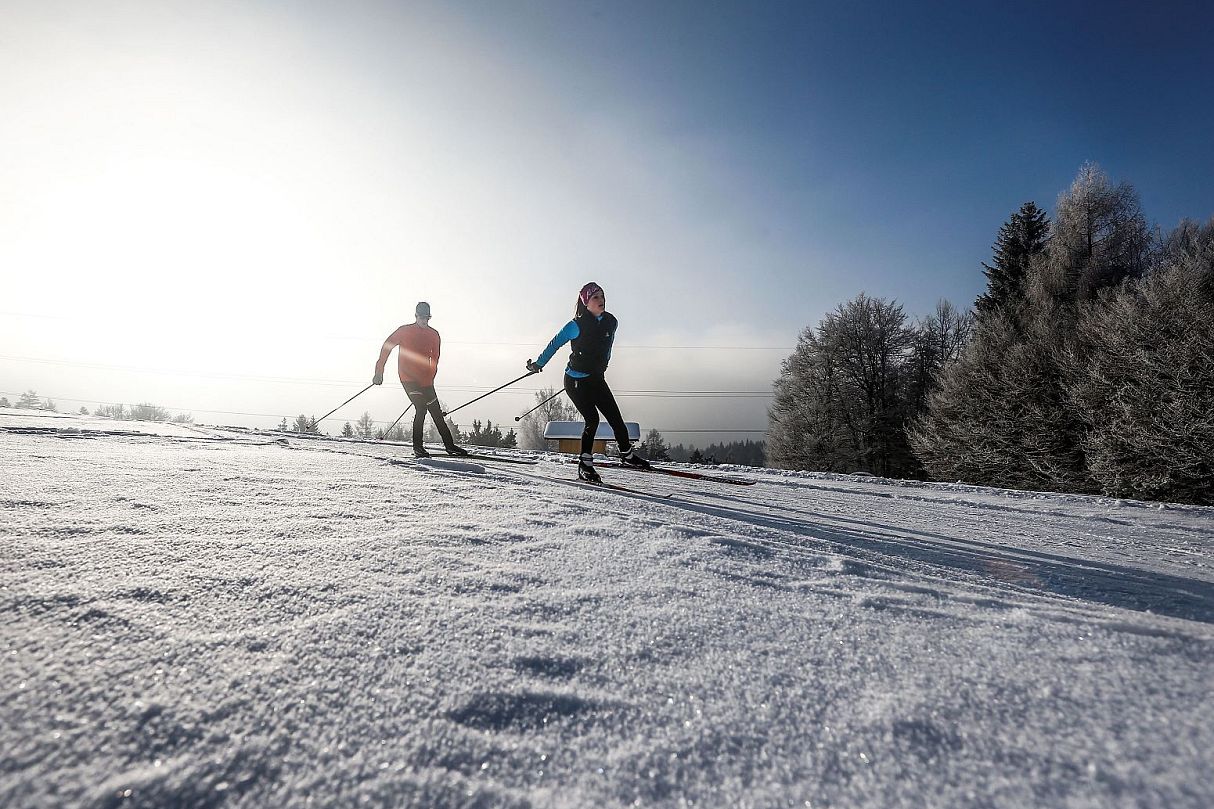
569,332
438,349
384,351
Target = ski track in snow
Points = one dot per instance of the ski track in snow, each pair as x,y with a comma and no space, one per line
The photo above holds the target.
222,617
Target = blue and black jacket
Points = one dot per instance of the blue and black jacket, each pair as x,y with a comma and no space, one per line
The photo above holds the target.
591,338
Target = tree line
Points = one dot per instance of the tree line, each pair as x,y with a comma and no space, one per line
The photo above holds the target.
138,412
1086,365
485,434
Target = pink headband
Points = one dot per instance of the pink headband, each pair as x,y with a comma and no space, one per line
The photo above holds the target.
588,292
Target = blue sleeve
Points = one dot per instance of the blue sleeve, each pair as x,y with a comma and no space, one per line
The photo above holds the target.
570,332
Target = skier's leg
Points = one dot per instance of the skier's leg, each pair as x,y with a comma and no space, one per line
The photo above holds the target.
440,422
417,395
581,393
611,412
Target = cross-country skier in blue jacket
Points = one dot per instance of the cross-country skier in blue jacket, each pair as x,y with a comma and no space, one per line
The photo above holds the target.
591,333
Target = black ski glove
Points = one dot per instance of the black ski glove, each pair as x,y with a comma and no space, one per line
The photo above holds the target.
533,367
378,379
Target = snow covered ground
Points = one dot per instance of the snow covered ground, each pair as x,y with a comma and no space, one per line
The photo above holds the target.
216,617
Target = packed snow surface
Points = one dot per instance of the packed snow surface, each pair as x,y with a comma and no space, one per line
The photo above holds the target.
218,617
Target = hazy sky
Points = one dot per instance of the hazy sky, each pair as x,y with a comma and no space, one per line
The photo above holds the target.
226,206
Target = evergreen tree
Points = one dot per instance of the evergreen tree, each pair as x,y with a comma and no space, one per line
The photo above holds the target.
283,426
303,424
347,430
1002,414
655,447
365,426
4,401
432,436
30,401
1024,235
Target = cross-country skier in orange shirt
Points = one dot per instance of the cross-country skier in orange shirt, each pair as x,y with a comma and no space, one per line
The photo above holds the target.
417,363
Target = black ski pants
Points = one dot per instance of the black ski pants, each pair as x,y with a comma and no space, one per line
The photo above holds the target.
425,400
590,395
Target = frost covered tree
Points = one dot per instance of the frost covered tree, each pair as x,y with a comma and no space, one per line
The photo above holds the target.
937,340
365,426
148,412
531,426
4,401
30,400
1100,238
1141,376
1002,413
1022,237
839,403
347,430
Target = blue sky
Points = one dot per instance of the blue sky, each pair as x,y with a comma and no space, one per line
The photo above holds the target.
226,206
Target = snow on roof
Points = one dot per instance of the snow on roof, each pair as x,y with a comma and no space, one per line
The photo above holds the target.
573,429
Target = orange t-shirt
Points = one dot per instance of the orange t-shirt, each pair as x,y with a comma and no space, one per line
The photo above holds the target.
417,359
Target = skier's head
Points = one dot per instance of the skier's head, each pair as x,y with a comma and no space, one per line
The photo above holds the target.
591,299
422,310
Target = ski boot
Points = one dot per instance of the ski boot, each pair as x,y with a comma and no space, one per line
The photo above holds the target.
454,450
586,470
420,452
630,458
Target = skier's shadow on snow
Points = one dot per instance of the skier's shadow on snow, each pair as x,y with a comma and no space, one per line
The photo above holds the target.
1114,585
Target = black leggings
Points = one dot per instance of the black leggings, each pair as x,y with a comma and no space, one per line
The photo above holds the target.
425,400
590,395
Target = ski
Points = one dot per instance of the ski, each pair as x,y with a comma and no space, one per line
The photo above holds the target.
476,456
602,484
492,458
679,473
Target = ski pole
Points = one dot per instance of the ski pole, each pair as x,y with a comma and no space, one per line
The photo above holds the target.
538,406
343,404
398,418
495,390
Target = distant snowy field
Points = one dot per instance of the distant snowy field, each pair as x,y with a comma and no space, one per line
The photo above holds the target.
214,617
